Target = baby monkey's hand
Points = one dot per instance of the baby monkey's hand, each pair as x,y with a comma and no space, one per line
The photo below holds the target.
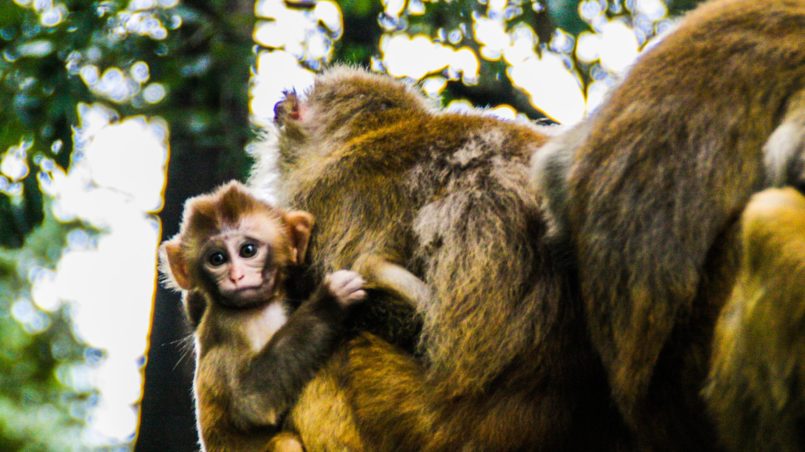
346,286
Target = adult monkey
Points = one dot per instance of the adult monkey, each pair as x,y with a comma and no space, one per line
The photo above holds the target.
439,204
648,192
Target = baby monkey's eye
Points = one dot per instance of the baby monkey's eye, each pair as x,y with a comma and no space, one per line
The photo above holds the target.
216,259
248,250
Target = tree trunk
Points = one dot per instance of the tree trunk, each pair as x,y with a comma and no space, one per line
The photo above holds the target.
201,158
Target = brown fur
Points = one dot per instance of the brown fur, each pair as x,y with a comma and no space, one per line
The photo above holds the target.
648,190
253,359
757,379
445,197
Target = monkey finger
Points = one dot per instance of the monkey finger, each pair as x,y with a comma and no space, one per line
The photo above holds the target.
337,280
358,295
343,280
354,284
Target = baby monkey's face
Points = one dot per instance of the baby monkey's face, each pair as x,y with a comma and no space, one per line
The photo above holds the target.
240,266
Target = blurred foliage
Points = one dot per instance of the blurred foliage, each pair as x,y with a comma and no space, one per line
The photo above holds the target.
53,57
556,23
359,42
155,57
42,404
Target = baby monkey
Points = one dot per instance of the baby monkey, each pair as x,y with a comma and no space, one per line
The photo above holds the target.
238,262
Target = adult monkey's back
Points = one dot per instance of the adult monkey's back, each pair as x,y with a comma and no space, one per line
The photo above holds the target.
415,195
649,190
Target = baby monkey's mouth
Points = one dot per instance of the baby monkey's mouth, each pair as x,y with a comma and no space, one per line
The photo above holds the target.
250,296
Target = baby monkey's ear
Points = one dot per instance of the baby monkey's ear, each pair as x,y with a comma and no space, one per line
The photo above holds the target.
289,108
173,265
300,226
